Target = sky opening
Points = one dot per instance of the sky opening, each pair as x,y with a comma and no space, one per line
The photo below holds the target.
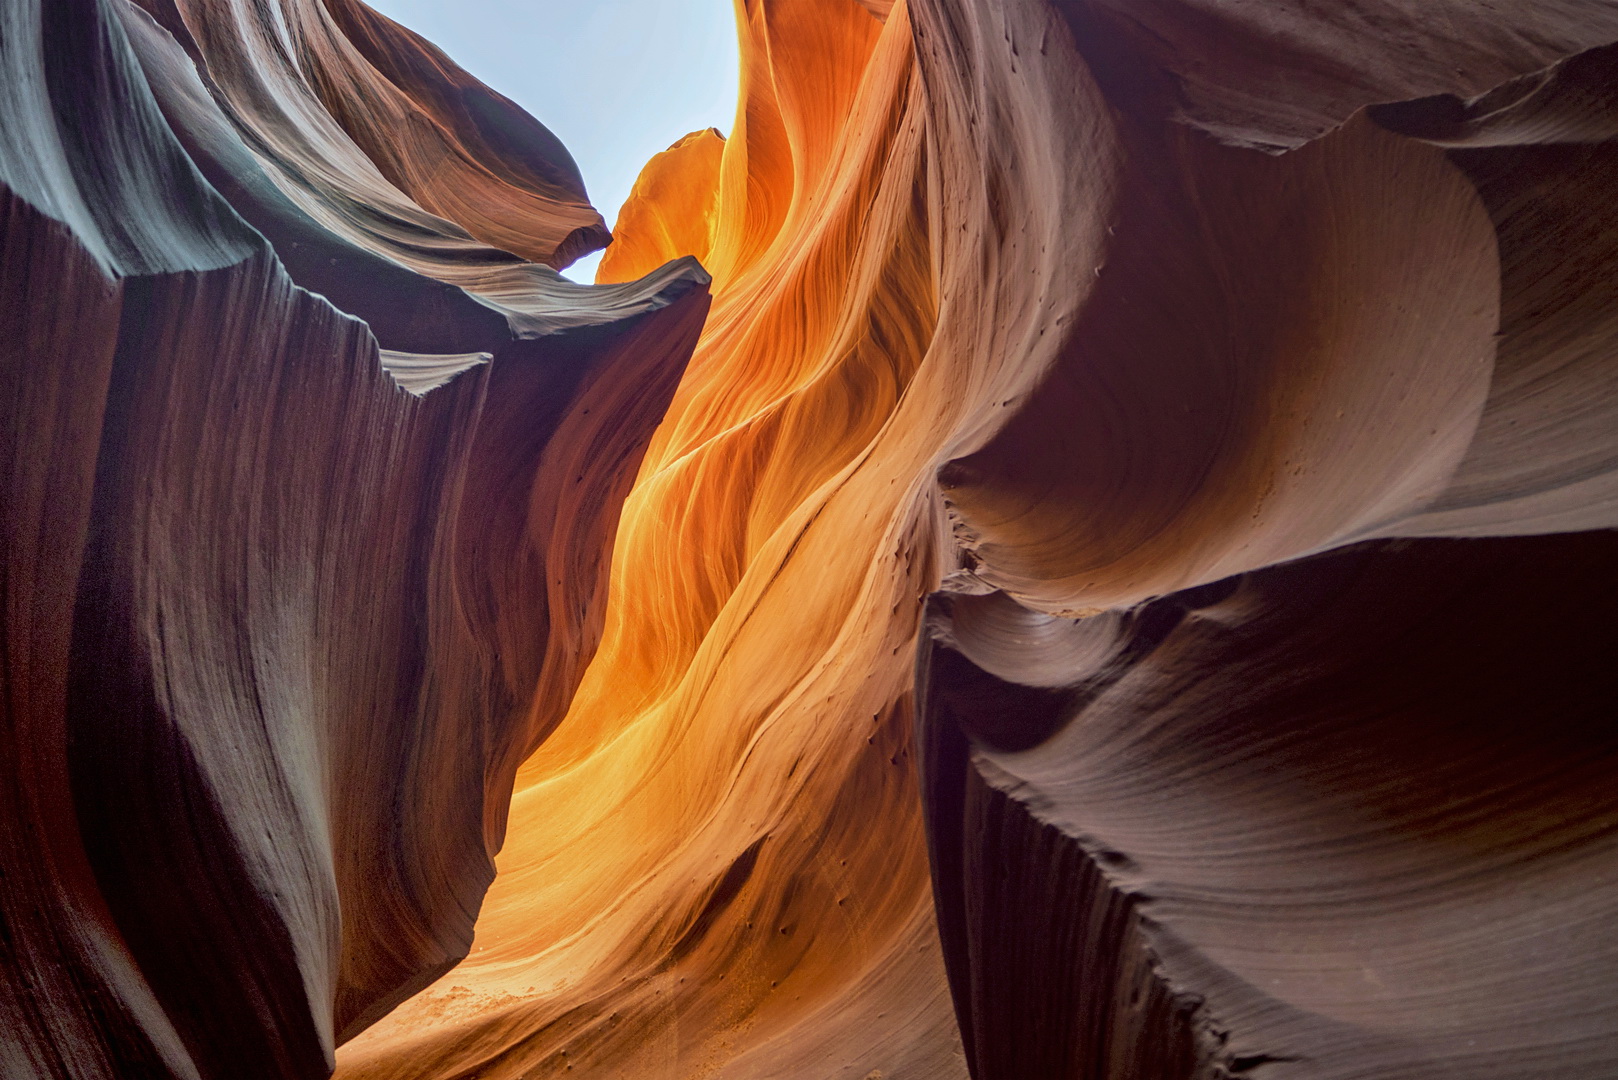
616,80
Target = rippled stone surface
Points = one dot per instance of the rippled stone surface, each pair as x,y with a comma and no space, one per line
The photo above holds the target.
1120,588
278,632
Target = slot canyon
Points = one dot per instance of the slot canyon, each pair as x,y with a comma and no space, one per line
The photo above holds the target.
1072,543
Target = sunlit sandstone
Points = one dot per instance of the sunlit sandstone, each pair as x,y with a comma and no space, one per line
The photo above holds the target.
1117,590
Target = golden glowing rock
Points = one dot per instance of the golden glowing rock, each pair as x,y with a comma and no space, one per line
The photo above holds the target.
719,850
672,211
1137,361
1038,644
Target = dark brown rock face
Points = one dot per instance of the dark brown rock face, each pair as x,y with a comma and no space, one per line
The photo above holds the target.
278,630
1356,806
1346,812
1119,585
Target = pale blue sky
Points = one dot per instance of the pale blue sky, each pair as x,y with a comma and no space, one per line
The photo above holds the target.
616,80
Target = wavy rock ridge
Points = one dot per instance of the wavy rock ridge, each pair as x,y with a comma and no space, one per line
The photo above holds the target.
278,632
1117,590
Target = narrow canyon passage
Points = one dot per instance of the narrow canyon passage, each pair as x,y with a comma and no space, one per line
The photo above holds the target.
1073,542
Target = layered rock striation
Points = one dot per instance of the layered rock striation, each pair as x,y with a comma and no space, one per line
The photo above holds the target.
1165,300
309,500
1120,588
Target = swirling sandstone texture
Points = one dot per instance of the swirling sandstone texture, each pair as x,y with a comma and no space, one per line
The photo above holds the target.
1090,315
309,495
1118,590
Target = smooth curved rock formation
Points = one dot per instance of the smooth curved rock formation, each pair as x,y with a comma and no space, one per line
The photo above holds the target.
692,879
278,631
1119,590
1143,360
1352,839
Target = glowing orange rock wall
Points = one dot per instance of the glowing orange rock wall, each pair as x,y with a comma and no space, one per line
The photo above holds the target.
1040,640
708,861
996,245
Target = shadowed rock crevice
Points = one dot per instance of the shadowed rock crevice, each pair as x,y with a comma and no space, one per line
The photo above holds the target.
1051,972
1322,788
1071,544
